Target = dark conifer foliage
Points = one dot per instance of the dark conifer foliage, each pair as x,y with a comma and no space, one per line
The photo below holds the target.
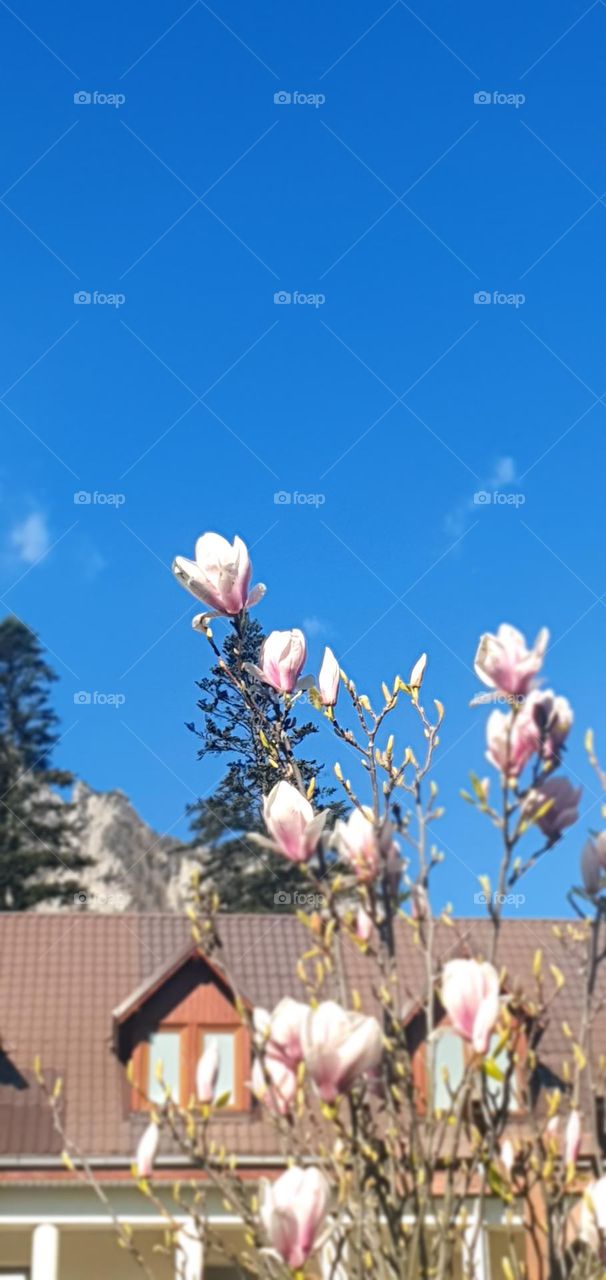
247,878
38,842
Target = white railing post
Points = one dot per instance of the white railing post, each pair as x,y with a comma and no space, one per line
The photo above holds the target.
474,1249
189,1253
45,1252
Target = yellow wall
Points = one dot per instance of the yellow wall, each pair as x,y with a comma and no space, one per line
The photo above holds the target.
89,1255
504,1244
96,1255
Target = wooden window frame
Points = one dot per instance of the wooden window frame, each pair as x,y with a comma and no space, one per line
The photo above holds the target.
191,1039
141,1066
440,1030
419,1069
516,1108
241,1093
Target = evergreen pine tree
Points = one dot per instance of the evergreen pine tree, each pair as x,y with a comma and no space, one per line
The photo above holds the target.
247,878
36,838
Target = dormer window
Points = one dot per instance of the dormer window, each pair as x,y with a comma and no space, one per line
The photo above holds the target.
449,1059
496,1088
164,1051
226,1045
166,1025
168,1058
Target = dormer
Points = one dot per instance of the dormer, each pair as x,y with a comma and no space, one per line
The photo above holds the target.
170,1019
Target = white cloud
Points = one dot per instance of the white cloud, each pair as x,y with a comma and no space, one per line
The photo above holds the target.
314,627
30,538
502,476
504,472
90,561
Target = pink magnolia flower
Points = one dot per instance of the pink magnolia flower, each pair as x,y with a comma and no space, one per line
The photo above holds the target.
572,1143
470,995
504,662
339,1046
593,862
563,810
207,1072
279,1033
328,679
552,1128
220,574
419,902
415,678
364,925
274,1083
146,1151
553,716
507,1154
293,1213
362,846
278,1042
511,739
282,656
593,1216
291,822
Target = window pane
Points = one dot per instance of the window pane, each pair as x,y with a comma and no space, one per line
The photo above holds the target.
496,1087
224,1041
448,1053
164,1048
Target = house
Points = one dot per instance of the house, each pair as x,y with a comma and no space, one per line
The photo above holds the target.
89,993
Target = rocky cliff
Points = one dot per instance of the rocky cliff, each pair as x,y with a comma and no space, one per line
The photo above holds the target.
132,868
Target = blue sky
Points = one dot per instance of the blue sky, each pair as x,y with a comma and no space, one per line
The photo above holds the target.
425,156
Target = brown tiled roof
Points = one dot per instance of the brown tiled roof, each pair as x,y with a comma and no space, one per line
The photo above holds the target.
61,979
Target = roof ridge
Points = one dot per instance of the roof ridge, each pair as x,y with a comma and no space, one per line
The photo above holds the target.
177,914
